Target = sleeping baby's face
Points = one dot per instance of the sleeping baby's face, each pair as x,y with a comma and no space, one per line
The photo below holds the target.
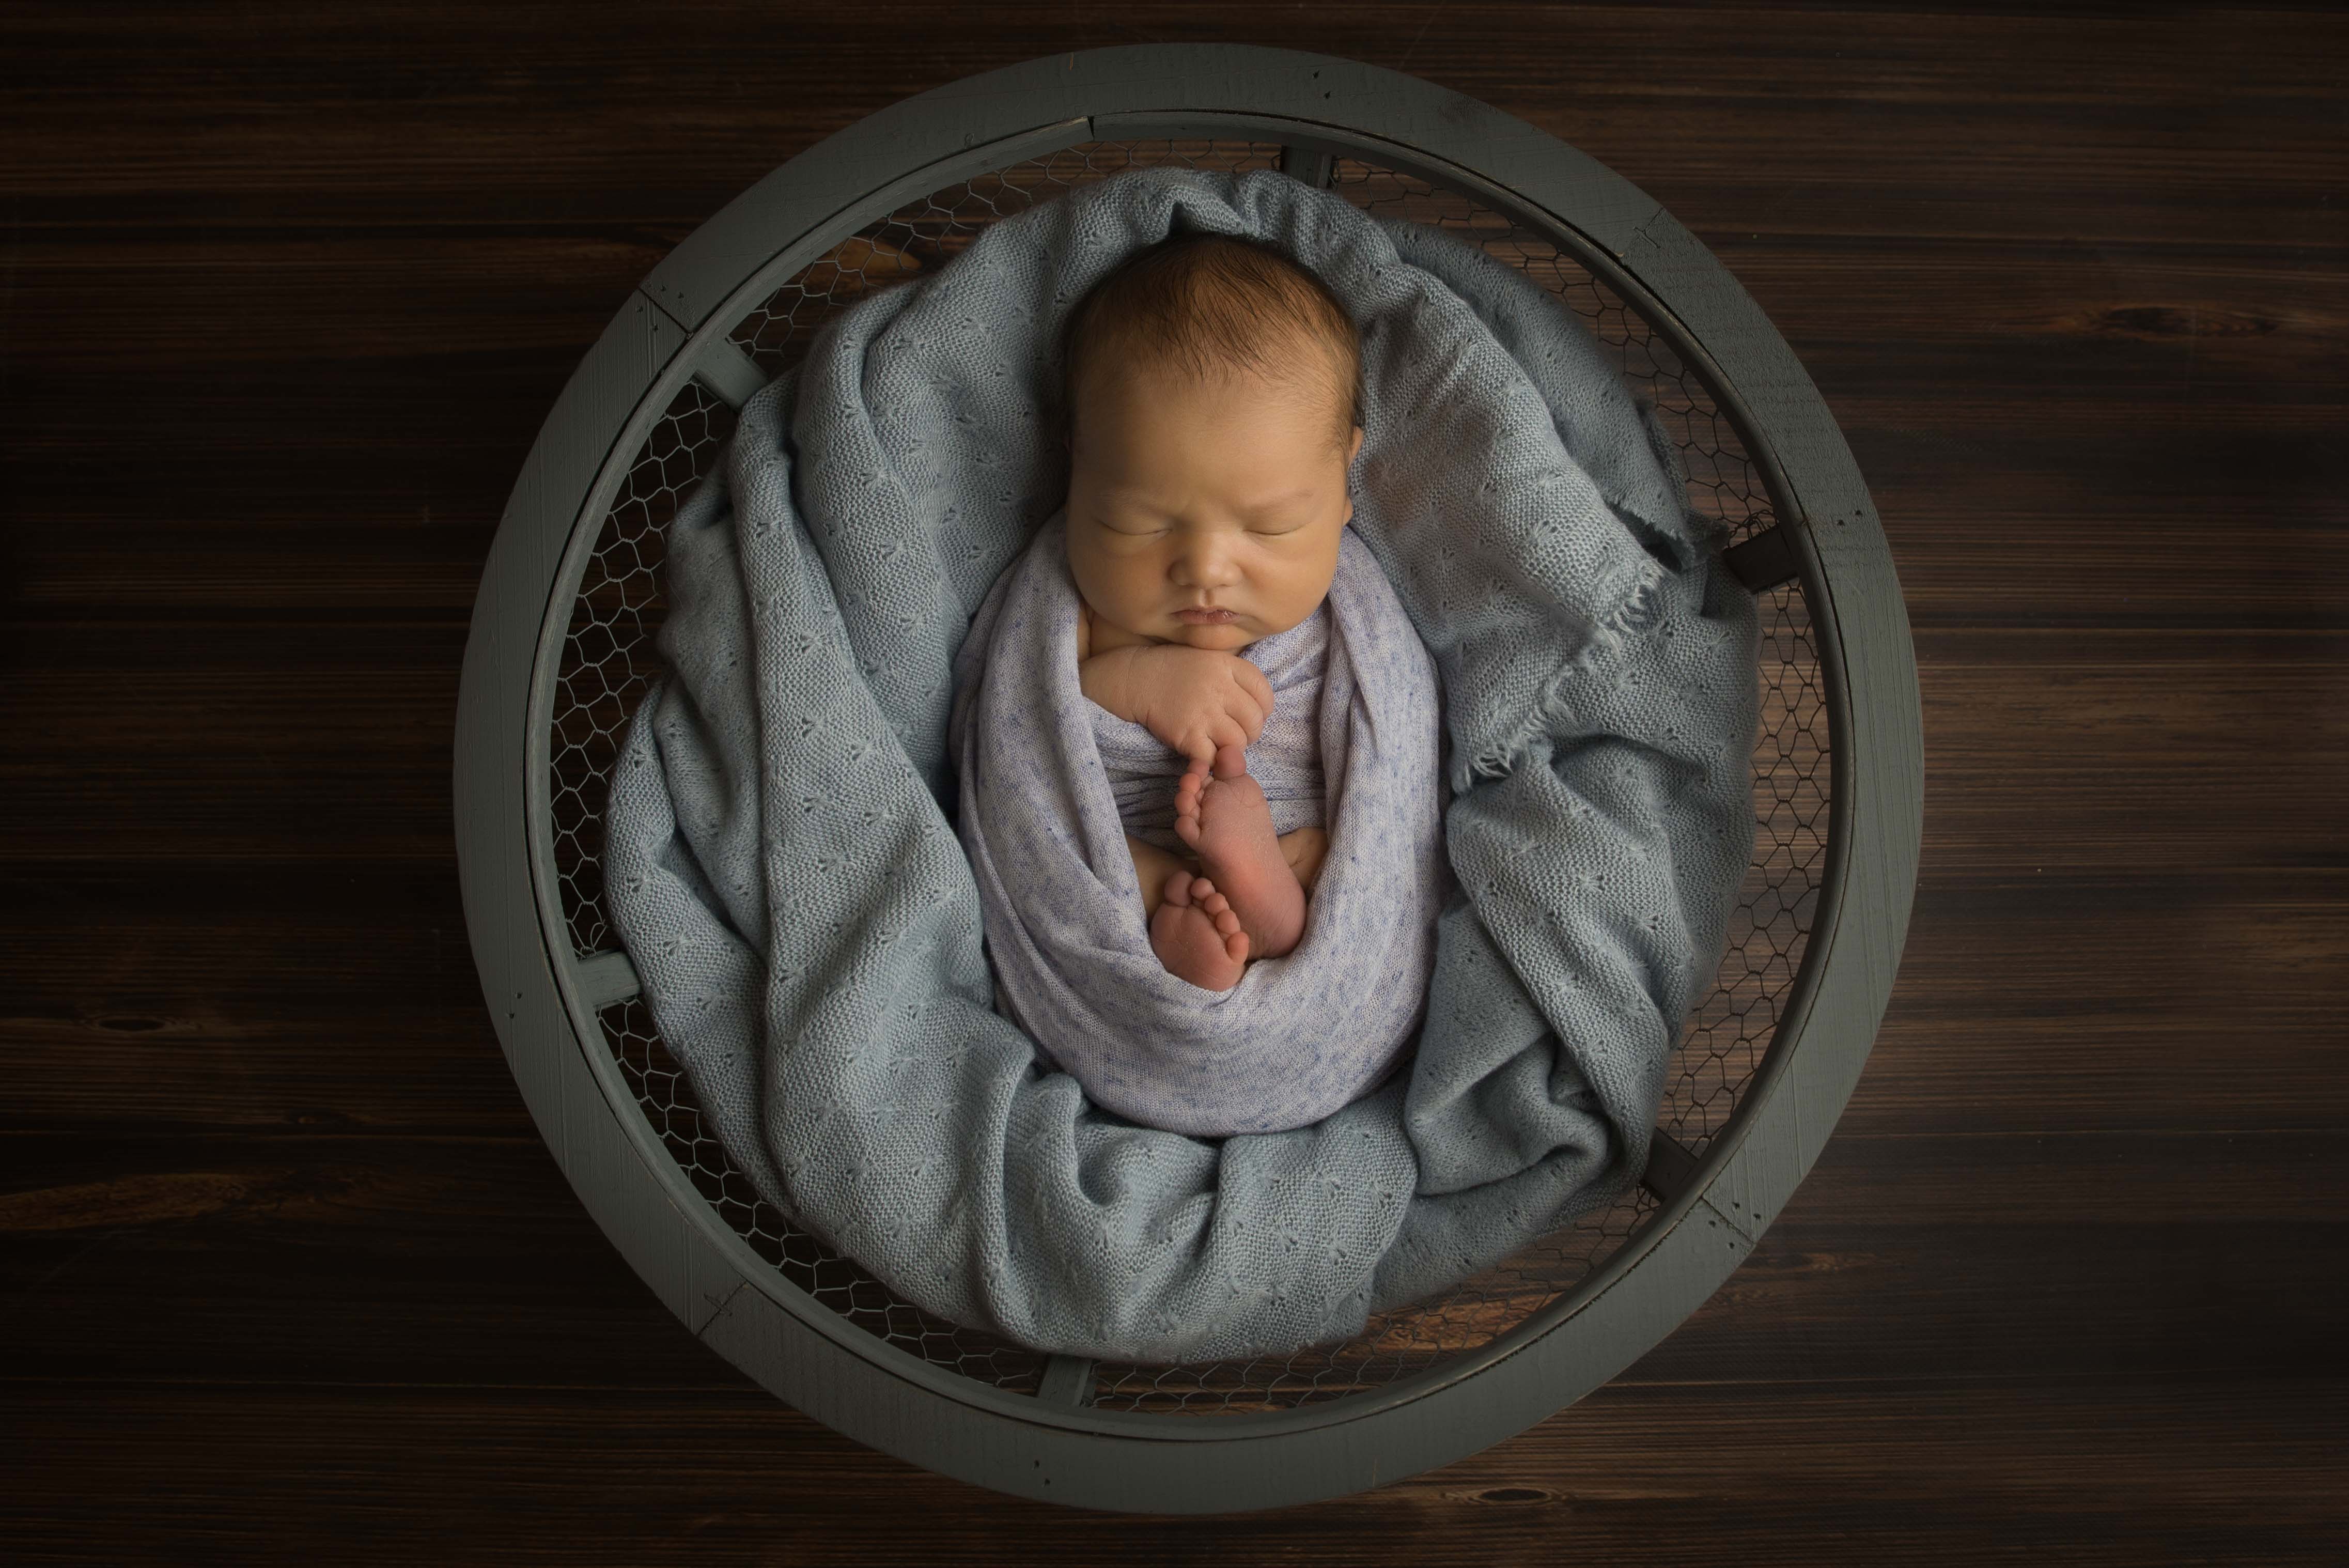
1207,514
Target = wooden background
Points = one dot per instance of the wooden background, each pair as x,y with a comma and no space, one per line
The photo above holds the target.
286,291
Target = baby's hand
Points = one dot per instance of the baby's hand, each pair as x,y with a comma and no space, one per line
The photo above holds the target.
1194,698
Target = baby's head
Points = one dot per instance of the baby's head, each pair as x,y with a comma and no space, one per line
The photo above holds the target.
1213,392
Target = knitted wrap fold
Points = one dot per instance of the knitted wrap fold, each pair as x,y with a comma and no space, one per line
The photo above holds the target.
782,866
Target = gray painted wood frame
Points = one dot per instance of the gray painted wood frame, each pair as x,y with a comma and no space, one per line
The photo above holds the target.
542,999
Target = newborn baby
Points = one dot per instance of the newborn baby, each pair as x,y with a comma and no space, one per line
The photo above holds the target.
1212,390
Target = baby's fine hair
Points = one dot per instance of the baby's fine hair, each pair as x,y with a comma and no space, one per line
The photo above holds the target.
1208,304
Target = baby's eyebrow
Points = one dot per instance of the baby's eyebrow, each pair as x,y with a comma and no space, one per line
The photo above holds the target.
1266,504
1302,493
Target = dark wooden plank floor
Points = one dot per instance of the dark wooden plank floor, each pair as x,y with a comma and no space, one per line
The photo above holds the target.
285,292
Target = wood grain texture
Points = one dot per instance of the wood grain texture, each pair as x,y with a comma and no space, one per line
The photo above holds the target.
284,294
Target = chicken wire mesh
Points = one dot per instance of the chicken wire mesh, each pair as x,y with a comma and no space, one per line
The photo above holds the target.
608,658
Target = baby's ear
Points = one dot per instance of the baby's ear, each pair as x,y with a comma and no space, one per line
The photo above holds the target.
1355,451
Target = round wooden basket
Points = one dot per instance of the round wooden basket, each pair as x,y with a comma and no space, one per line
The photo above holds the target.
562,646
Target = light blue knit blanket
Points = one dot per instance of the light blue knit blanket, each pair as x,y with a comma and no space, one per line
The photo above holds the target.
782,865
1300,1035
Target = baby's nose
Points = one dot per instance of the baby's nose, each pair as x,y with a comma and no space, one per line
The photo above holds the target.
1202,563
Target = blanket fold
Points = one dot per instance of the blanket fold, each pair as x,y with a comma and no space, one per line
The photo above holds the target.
782,866
1300,1035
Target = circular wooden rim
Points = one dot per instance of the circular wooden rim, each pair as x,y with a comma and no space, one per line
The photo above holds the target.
674,329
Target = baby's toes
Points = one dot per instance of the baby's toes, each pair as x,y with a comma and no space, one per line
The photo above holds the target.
1236,943
1219,908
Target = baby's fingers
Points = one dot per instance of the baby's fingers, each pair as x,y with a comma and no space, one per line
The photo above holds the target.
1251,701
1254,682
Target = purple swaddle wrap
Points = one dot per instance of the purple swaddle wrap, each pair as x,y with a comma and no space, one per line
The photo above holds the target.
1352,744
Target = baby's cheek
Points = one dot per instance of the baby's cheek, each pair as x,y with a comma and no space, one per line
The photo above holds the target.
1303,589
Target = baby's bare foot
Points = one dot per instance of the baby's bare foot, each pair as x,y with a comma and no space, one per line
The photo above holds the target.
1226,822
1196,936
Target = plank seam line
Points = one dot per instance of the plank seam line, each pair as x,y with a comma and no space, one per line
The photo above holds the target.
1704,1201
666,313
721,1310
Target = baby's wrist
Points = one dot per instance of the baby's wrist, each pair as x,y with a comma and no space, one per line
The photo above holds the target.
1106,679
